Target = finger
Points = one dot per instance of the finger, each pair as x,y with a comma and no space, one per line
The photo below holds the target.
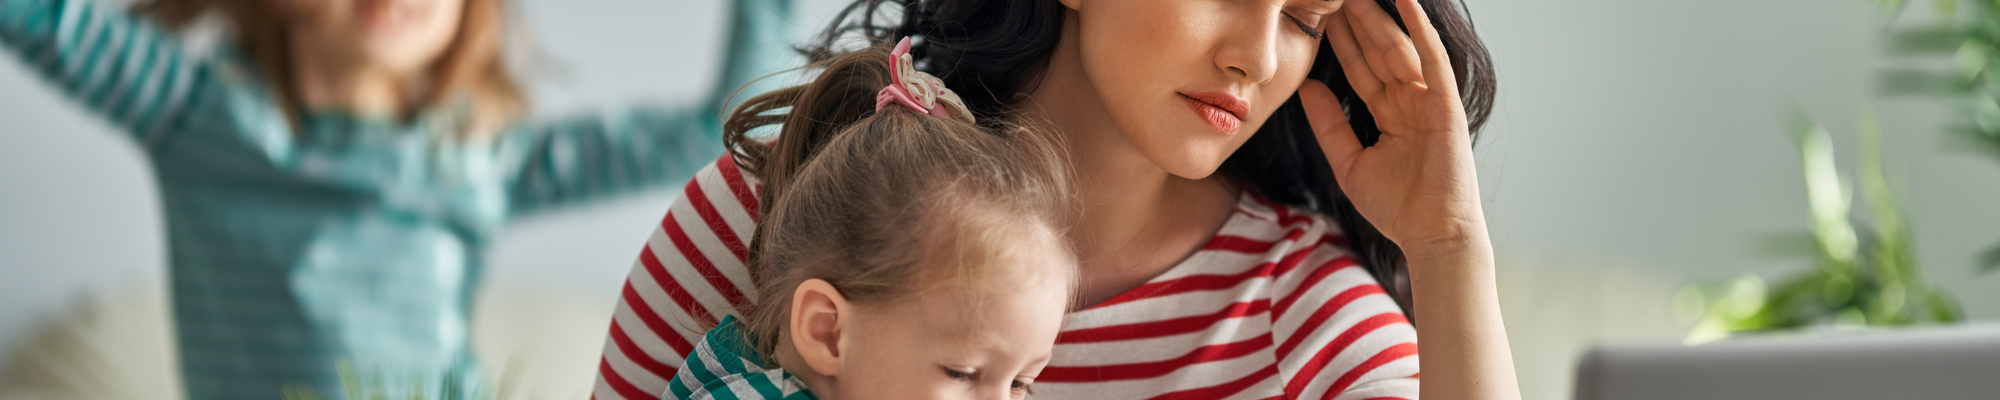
1329,125
1430,48
1384,41
1352,62
1375,63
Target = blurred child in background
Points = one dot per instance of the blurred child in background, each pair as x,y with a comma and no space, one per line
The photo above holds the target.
331,174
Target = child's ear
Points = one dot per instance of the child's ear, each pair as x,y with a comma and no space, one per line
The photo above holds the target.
818,313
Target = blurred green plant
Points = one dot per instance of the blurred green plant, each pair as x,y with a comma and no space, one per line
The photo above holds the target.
1866,271
381,385
1969,36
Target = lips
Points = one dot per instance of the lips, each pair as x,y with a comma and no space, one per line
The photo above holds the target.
1222,111
385,14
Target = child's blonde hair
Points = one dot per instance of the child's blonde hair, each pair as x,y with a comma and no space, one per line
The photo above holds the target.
859,198
472,70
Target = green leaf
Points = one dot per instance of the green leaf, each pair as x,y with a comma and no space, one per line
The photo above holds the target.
1918,82
1826,192
1989,260
1984,115
1942,308
1893,260
1935,41
1785,245
1971,58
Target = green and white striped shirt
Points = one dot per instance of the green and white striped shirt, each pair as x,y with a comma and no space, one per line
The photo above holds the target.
723,367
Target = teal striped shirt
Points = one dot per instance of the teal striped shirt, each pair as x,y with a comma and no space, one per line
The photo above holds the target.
723,367
339,245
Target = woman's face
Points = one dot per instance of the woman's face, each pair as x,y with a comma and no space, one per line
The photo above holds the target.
396,35
1188,81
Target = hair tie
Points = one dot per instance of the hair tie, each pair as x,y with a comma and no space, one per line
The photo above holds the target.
918,90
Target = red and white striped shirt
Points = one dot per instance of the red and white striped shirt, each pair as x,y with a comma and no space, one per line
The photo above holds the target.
1272,307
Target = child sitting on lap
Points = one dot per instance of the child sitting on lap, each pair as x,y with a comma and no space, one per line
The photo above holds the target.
906,253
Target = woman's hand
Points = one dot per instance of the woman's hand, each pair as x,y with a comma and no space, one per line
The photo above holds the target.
1417,183
1418,186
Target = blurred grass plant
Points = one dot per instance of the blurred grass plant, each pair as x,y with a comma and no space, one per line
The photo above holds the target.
1866,272
1968,35
377,384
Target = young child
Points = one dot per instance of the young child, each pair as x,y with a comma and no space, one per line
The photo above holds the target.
907,252
331,176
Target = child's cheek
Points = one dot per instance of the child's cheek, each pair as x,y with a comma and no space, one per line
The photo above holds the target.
892,359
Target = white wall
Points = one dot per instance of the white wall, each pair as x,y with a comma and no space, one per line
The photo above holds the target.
1645,133
1650,132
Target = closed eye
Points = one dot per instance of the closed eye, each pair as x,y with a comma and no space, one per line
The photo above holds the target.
1308,29
957,375
1024,387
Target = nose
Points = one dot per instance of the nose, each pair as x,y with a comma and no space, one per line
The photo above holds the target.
1248,49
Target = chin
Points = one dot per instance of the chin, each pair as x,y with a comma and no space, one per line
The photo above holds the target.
402,60
1189,150
1197,172
1200,154
1193,162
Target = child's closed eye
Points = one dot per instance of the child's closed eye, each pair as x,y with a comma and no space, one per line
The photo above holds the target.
1024,386
959,375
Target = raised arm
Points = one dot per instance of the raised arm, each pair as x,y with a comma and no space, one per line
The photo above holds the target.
1419,186
580,158
120,67
593,156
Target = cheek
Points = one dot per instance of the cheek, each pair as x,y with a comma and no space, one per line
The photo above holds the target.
1294,63
326,21
1132,49
1137,55
442,23
889,360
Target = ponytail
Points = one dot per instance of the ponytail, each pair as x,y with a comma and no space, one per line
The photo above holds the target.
854,195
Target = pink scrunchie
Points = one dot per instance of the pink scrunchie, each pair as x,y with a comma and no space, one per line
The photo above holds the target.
918,90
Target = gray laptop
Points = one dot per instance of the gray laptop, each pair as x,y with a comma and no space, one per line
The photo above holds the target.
1960,362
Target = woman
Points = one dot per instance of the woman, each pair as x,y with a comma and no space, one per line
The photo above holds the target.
1260,281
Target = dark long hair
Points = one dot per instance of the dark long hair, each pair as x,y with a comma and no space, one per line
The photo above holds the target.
989,50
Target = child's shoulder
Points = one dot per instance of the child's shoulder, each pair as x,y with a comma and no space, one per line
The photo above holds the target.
723,366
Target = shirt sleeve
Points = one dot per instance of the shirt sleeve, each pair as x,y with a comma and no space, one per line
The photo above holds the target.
690,274
1339,334
581,158
575,159
117,65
